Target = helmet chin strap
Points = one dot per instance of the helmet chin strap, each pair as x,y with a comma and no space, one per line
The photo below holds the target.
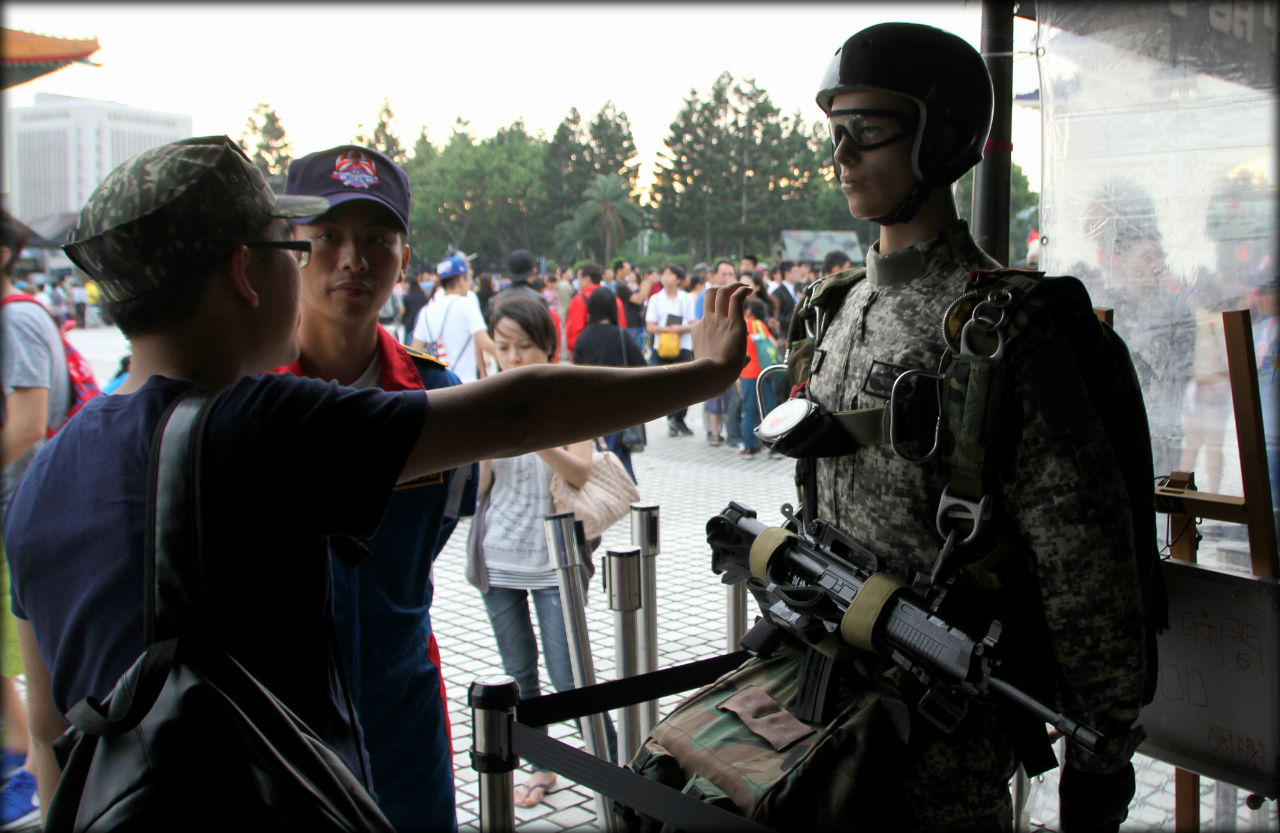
906,209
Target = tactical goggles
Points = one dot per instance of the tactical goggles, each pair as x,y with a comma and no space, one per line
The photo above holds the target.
868,129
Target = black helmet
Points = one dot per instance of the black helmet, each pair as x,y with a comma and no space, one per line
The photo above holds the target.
945,77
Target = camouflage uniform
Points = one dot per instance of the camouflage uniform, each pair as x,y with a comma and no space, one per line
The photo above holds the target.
1064,502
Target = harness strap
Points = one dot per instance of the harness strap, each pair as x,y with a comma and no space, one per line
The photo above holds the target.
974,373
865,425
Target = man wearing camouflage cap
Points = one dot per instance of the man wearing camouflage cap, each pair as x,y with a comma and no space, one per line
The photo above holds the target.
197,260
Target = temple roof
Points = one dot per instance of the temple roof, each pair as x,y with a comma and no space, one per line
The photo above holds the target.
27,55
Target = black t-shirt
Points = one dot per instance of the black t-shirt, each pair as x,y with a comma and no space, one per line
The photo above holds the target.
633,312
414,300
605,344
288,461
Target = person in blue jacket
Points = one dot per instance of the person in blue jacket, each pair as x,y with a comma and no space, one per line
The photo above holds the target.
359,251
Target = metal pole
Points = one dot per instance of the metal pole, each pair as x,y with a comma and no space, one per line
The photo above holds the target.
493,707
644,534
567,546
622,583
1021,801
991,179
736,602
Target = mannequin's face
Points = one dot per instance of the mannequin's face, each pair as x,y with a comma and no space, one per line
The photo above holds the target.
874,181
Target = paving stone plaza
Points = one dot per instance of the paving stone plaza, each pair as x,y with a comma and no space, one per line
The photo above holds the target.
690,482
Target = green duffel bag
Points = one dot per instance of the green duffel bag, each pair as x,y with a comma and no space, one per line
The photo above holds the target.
737,744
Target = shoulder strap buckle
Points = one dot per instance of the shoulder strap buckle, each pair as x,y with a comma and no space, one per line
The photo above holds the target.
953,510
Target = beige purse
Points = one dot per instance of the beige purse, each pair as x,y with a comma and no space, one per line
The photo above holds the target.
603,500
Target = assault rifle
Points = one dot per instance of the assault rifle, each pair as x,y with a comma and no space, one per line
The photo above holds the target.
824,588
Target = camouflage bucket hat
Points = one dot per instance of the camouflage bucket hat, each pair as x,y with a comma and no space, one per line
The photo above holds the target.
173,210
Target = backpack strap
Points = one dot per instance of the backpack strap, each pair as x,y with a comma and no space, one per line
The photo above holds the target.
443,321
810,320
172,604
977,326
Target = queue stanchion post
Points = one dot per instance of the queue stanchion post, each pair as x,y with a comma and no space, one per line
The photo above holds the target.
644,534
622,583
493,705
567,545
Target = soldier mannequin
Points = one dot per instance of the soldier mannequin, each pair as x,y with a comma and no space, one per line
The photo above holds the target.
909,108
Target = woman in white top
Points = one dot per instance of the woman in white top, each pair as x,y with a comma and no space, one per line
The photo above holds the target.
512,544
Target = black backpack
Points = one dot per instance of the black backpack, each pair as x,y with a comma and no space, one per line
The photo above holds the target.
188,739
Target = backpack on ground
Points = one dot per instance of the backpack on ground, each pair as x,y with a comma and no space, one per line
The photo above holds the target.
188,739
83,386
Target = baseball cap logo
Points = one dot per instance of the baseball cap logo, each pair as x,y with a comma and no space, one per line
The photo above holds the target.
355,170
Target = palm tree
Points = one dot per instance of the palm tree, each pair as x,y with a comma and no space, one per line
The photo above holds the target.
608,212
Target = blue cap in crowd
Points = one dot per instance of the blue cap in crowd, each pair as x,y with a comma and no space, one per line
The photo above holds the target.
351,172
451,267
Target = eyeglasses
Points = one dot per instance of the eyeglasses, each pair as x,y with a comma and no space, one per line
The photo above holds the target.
868,129
301,249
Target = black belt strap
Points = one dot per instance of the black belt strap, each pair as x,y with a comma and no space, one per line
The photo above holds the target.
564,705
659,801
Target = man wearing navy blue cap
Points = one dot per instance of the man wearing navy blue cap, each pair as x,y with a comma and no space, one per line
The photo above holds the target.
359,250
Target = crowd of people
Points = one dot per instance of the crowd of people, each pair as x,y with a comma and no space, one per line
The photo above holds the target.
365,409
442,310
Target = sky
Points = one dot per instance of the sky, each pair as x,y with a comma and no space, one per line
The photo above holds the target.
325,68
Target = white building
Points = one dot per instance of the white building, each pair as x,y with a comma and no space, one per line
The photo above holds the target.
60,148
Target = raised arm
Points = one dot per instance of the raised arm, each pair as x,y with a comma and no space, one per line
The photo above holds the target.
512,413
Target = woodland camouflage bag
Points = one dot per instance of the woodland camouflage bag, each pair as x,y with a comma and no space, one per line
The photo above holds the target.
737,745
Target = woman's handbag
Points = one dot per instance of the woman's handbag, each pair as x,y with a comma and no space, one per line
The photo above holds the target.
188,739
603,500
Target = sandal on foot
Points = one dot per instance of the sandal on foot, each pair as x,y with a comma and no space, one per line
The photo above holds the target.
534,793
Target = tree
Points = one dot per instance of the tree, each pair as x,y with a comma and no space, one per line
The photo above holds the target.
382,138
607,216
482,197
612,148
1023,206
264,141
735,172
425,249
567,168
423,150
688,181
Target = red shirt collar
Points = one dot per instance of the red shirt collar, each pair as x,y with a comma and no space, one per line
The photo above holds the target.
398,371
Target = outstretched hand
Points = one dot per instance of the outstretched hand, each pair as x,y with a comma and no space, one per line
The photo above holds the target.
721,334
